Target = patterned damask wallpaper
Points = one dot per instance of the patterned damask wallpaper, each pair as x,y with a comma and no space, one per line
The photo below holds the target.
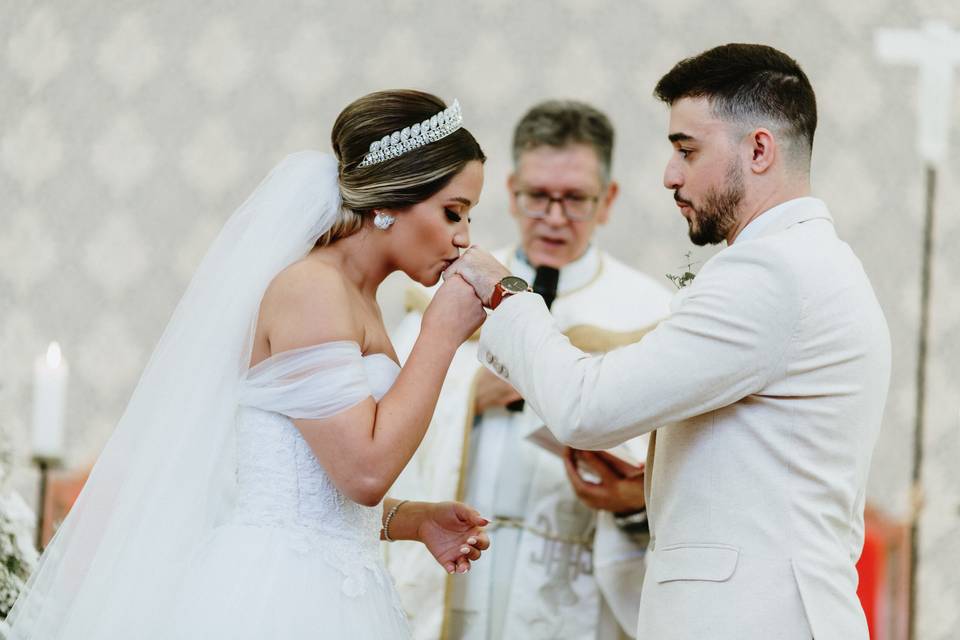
129,130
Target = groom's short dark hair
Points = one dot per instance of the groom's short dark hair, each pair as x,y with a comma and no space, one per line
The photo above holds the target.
749,83
559,123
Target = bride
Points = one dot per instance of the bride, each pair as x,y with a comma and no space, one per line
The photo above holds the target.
242,492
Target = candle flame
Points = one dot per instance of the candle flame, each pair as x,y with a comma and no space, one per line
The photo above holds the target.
54,356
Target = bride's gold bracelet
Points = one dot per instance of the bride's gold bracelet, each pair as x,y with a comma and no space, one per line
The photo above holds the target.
386,521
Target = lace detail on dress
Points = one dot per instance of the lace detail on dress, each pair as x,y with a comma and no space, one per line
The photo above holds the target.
282,485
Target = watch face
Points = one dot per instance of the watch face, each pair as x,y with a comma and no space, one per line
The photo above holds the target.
513,284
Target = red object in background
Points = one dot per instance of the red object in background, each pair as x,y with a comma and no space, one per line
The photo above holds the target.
884,570
871,568
63,488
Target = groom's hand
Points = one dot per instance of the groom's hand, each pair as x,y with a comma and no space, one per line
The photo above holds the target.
615,492
481,270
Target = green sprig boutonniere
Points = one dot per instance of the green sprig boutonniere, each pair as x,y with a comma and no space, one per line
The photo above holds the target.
687,276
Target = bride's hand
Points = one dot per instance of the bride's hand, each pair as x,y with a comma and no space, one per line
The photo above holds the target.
453,532
455,311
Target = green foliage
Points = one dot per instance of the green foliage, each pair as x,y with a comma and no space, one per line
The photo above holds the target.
685,278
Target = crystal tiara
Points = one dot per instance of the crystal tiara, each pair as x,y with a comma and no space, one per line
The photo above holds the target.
417,135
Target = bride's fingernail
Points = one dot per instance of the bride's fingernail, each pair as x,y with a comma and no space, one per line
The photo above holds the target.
464,550
471,541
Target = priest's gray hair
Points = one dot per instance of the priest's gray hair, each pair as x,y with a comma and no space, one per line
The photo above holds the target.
560,123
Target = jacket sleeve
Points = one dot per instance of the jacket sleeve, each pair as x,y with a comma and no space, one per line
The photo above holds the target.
726,340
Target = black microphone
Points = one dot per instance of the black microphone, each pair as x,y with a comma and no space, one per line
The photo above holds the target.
544,284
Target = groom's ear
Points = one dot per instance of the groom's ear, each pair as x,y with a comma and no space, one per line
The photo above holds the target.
763,150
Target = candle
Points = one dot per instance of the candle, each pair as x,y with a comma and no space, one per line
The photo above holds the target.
50,374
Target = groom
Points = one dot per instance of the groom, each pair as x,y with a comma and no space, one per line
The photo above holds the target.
767,382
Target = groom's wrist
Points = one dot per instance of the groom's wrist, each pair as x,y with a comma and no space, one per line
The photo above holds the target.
507,286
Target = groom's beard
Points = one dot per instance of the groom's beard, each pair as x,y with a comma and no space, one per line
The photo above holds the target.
711,222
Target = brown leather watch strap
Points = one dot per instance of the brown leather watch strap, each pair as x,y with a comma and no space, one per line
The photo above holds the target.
500,294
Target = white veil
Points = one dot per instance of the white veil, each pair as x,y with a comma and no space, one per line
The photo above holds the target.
167,474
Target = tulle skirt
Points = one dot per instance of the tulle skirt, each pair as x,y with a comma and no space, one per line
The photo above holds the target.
274,583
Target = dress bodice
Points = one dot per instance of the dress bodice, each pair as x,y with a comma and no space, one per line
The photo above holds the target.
280,482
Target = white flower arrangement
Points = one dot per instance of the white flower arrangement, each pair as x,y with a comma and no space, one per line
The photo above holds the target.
18,556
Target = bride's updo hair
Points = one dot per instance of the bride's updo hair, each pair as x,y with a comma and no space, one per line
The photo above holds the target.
399,182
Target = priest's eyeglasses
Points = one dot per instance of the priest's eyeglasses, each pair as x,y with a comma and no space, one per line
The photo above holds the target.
574,206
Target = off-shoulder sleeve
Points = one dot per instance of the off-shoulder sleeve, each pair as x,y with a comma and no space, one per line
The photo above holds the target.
312,382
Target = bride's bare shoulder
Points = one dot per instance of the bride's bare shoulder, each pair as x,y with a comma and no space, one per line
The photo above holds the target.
308,303
304,277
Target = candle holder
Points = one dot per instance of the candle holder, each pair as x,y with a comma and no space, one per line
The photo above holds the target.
44,464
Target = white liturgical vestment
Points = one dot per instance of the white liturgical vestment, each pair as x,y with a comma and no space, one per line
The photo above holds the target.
555,569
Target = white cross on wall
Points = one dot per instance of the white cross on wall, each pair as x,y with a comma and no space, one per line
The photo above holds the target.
936,50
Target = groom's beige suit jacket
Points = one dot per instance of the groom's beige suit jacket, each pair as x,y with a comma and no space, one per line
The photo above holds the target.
767,384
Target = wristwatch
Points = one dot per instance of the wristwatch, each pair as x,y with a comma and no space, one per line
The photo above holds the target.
507,287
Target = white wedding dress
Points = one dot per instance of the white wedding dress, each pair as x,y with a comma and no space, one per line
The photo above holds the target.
296,558
206,514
